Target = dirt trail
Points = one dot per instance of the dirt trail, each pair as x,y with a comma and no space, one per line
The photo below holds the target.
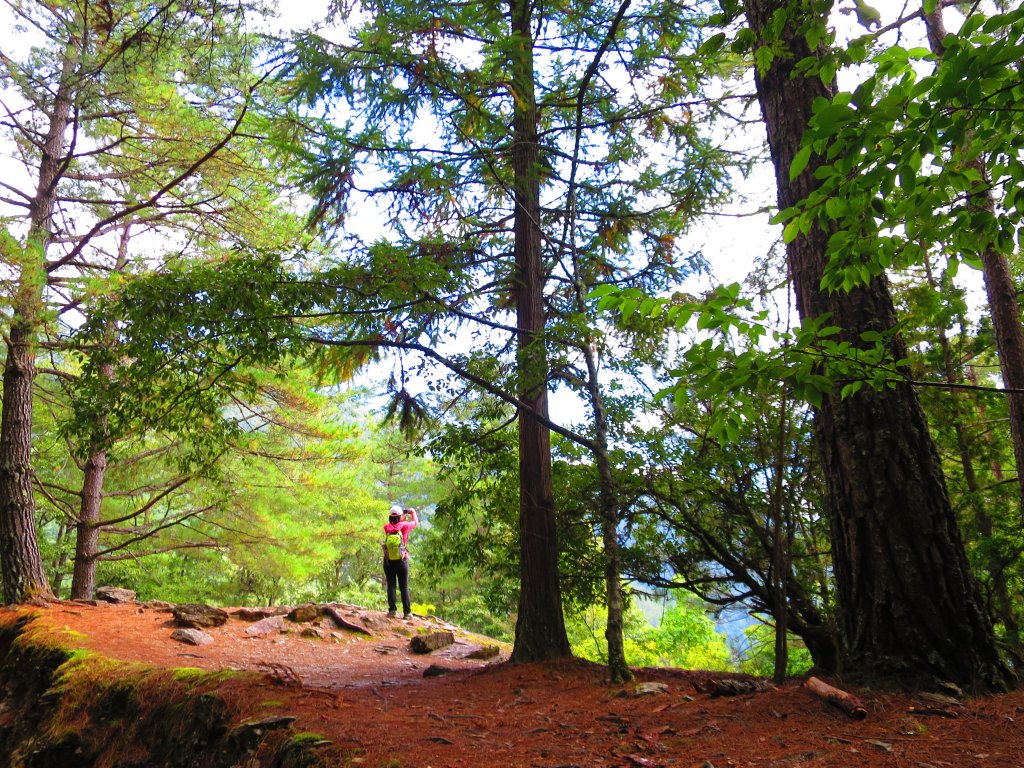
369,696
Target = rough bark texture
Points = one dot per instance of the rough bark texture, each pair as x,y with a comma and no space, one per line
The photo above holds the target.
87,540
1000,290
540,626
1001,604
909,606
22,568
23,574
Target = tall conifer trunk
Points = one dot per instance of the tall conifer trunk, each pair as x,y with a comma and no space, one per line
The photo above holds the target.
24,576
909,607
540,625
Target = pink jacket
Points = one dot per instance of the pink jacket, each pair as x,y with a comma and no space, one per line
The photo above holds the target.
403,527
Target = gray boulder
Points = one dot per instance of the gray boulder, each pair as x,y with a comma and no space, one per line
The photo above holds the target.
265,626
191,636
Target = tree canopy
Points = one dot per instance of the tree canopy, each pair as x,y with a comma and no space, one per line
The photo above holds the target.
485,215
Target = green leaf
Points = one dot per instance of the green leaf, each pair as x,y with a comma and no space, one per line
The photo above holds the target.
850,389
602,290
791,232
712,45
800,162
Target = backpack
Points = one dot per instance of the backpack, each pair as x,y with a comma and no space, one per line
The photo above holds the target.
394,547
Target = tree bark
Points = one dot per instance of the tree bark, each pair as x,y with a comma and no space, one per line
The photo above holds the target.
540,626
87,540
1000,289
909,606
994,559
60,558
21,564
24,576
618,668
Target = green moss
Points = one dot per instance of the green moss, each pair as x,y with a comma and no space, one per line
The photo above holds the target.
188,673
306,737
195,677
75,707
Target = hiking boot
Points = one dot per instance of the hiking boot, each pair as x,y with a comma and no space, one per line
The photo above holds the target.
392,614
406,616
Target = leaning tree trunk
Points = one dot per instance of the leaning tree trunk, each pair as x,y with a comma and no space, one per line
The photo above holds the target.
909,606
995,559
779,564
21,564
618,667
1000,289
540,625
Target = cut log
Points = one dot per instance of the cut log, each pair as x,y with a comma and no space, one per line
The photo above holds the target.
344,623
847,702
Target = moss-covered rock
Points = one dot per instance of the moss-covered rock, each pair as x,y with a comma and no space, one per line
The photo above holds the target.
64,707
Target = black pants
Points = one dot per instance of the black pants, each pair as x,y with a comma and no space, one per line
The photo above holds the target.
397,570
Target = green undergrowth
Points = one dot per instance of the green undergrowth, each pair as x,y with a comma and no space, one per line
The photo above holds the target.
66,706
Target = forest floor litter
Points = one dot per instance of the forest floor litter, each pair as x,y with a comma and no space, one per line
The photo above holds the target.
383,705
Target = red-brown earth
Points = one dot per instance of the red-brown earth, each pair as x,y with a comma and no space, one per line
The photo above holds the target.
369,696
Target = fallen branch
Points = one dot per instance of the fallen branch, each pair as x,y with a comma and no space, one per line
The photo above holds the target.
847,702
729,687
280,674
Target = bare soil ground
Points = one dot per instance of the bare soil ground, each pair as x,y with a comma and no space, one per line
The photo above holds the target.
369,696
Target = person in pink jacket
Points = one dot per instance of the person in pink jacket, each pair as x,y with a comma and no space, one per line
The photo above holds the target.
396,556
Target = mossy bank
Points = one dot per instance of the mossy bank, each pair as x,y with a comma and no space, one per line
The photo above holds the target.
61,706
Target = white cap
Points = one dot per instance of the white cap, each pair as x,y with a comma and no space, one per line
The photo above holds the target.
396,510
